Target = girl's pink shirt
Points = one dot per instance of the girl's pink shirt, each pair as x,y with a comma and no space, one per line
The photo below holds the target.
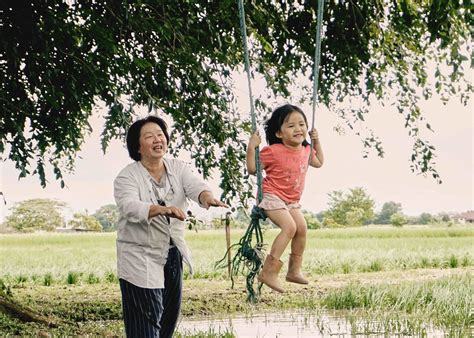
285,171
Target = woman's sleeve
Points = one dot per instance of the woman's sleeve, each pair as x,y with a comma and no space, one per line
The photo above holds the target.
193,185
127,198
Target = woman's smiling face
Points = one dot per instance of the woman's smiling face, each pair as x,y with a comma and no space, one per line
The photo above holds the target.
153,144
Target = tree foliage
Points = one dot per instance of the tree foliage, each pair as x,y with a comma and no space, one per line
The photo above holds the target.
36,214
311,220
349,209
398,219
388,209
425,218
58,59
108,217
84,222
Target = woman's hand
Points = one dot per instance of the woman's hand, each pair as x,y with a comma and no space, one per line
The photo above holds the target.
208,200
168,211
174,212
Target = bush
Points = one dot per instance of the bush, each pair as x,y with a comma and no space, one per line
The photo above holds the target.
355,217
331,223
398,220
312,222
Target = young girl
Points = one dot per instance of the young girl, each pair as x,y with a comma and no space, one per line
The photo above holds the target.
285,161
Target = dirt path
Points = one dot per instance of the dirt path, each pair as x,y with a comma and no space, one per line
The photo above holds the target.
200,287
204,297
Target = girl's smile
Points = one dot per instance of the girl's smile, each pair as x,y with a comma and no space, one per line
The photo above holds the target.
293,130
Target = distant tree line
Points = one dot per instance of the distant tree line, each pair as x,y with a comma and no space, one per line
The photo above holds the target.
357,208
47,215
345,209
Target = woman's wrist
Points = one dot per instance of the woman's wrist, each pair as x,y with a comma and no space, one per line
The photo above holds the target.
156,210
204,197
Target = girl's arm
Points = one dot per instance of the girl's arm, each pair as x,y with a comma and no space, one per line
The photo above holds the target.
318,160
254,142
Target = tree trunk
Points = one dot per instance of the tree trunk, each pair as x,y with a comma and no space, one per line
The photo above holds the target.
23,313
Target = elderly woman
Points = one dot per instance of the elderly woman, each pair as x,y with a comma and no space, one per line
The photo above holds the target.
151,194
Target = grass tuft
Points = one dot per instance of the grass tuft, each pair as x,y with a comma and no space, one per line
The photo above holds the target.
48,279
92,279
111,277
445,302
72,278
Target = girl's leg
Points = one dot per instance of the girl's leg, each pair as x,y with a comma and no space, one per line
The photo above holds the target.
284,220
273,264
298,244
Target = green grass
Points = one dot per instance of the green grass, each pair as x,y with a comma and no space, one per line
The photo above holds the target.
394,280
445,303
447,300
52,258
397,307
57,254
366,249
211,333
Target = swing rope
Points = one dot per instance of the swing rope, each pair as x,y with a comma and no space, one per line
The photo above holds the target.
243,30
249,257
317,61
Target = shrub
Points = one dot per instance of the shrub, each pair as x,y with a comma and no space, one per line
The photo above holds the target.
331,223
313,224
398,220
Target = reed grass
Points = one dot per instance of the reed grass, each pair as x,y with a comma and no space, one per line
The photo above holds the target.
446,302
50,257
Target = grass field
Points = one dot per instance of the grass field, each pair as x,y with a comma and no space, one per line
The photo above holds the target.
415,276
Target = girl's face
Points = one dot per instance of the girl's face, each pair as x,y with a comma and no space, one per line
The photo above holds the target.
293,130
153,143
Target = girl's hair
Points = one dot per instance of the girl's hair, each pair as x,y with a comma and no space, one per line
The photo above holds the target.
279,116
133,135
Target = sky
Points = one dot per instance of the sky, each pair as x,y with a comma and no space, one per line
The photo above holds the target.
384,179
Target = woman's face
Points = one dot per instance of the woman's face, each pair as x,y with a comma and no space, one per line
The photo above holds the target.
153,143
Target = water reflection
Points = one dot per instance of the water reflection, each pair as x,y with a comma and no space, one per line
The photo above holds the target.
298,324
286,324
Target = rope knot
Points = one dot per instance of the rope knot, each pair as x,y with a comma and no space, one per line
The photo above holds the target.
253,254
257,214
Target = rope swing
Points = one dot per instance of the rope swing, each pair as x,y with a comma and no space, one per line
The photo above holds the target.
248,256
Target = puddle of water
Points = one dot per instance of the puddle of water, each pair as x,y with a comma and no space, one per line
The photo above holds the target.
289,324
265,325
